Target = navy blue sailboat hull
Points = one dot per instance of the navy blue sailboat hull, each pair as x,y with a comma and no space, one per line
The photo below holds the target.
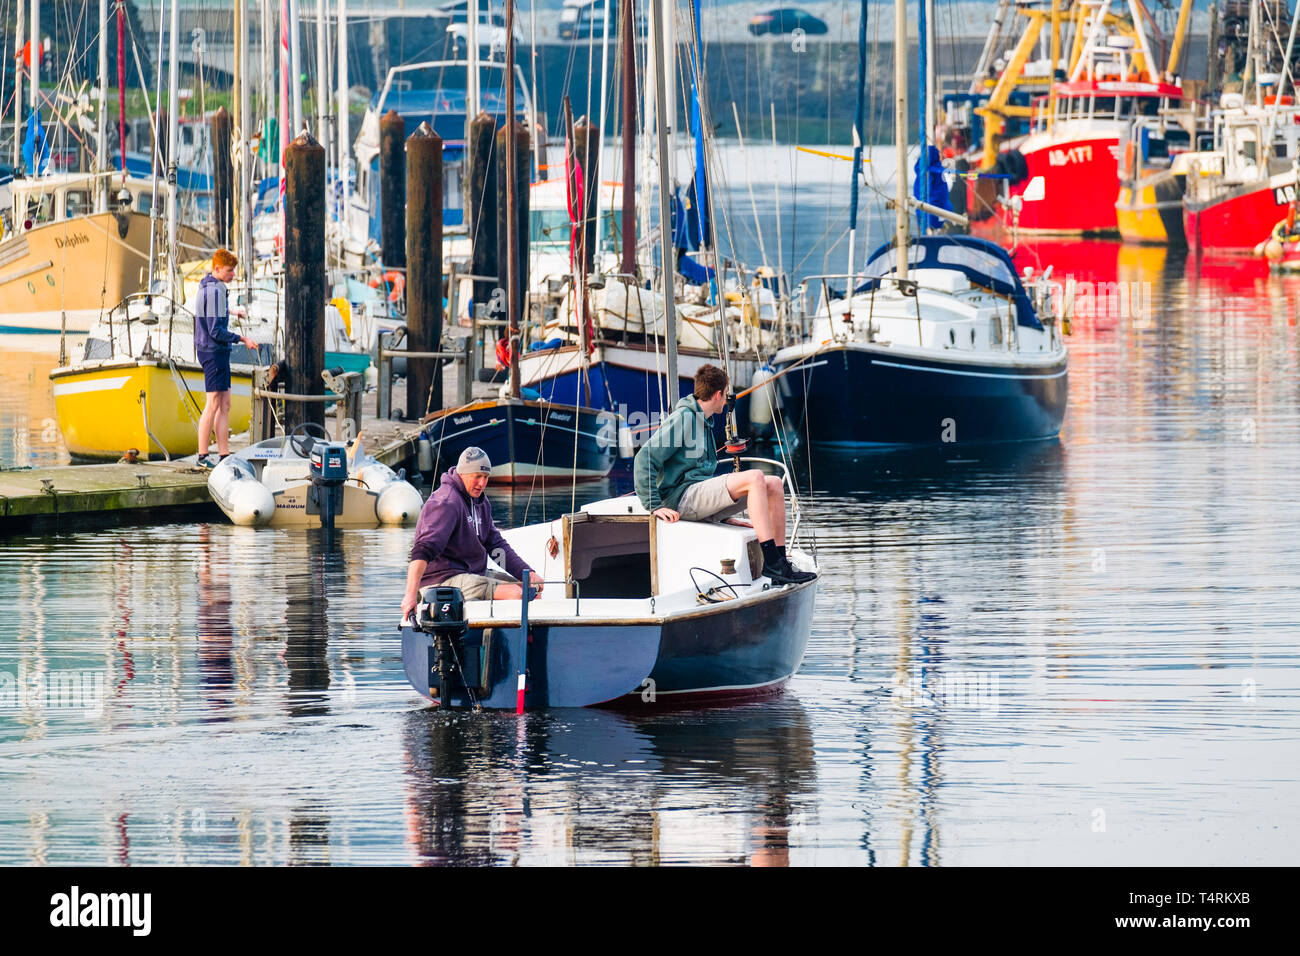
635,393
746,652
528,441
870,395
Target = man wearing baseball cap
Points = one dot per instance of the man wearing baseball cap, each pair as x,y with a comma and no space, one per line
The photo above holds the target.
455,536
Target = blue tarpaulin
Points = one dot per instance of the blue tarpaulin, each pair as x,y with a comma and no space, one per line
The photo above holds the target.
36,153
938,189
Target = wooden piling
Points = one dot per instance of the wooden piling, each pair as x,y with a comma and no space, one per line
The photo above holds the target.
423,270
482,205
586,149
304,278
223,178
522,167
392,190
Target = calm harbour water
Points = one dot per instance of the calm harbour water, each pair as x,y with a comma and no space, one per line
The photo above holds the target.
1084,651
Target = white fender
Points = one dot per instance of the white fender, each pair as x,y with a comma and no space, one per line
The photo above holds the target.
398,502
760,399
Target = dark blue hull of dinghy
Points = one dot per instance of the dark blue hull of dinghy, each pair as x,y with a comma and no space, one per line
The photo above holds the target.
738,654
568,666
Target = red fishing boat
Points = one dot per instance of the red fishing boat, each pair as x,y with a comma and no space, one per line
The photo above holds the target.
1061,178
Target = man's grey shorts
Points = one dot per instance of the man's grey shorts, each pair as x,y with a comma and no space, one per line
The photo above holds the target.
708,500
474,587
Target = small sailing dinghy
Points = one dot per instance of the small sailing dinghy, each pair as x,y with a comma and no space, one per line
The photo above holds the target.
635,608
303,480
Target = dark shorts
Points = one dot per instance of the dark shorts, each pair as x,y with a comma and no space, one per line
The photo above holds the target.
216,370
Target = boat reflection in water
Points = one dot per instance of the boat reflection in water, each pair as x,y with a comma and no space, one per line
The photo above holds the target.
710,785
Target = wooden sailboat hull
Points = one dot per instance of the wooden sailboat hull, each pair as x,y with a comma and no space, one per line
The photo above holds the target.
64,274
528,441
106,407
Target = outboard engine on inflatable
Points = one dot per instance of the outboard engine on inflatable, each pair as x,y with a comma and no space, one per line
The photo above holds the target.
329,471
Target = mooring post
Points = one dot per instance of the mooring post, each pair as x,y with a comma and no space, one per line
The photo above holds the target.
223,178
423,270
522,168
586,149
384,394
392,190
304,278
481,203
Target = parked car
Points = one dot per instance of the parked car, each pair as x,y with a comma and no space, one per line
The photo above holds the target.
458,12
585,20
786,20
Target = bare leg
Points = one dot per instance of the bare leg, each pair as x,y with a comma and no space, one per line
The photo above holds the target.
752,486
222,423
207,419
776,508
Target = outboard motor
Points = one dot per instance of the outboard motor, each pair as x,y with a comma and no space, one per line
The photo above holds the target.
442,616
329,470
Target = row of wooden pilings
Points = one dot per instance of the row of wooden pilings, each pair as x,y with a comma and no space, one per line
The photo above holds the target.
411,201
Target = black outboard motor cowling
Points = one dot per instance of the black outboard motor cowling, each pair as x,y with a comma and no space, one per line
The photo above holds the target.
328,467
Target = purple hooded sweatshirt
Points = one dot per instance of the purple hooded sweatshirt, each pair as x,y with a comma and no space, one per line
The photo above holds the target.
455,535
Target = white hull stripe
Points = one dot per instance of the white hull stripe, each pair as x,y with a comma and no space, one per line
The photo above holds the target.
953,371
719,690
93,385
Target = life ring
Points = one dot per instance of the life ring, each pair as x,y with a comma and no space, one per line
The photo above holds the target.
503,353
395,282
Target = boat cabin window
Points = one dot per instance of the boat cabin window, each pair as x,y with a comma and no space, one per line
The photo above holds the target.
76,202
144,203
38,208
610,556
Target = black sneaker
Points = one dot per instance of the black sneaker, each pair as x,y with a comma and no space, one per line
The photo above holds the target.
783,572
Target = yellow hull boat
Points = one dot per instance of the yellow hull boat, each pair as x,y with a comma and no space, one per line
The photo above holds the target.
150,405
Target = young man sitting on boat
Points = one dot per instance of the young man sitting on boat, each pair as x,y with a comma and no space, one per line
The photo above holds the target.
455,535
212,341
675,477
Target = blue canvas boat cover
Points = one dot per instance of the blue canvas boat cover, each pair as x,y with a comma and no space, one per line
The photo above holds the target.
984,263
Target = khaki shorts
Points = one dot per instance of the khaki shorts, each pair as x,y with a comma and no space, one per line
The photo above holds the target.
474,587
708,500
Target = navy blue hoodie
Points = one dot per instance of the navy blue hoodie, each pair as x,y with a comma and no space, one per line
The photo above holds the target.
210,317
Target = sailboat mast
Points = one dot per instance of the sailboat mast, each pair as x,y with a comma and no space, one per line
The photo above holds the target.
471,86
665,195
243,113
173,124
900,134
512,203
922,76
18,87
35,57
345,128
602,128
295,76
322,78
859,120
102,185
629,139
